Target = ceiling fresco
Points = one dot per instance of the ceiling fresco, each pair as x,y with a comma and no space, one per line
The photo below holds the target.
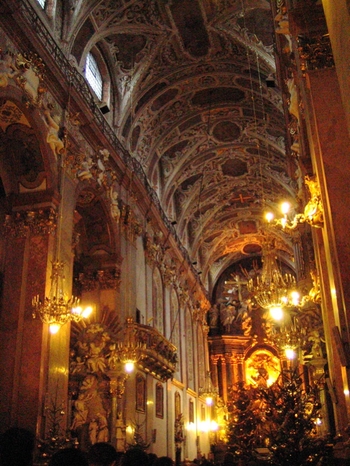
197,103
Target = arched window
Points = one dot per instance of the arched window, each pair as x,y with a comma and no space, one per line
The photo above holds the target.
93,75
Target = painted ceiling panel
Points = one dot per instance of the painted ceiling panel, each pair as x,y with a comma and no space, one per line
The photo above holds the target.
194,107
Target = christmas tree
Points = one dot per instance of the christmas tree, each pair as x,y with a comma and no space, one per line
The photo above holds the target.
281,418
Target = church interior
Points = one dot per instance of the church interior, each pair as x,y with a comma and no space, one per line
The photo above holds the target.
174,181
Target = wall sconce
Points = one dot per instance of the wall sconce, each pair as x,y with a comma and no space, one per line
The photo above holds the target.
313,211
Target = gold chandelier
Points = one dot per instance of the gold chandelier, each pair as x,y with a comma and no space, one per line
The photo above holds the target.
57,309
271,289
289,338
128,351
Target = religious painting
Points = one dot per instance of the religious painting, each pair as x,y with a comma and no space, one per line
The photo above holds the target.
140,393
159,400
262,368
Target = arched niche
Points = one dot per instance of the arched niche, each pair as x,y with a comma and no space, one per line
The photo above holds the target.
27,162
97,259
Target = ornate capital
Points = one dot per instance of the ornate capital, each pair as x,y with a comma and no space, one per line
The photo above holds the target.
31,222
129,224
102,279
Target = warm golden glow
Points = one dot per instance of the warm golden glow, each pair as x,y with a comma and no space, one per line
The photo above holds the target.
79,312
129,366
54,328
269,216
276,313
213,426
290,353
295,298
285,208
129,429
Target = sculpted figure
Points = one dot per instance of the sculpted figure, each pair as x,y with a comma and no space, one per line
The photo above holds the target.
84,173
7,69
115,211
55,143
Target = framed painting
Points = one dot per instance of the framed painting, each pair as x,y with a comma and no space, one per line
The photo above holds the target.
140,393
159,400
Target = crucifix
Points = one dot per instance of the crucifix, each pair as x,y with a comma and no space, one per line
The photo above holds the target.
241,198
236,282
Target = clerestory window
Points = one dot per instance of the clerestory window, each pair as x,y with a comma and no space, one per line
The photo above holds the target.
93,75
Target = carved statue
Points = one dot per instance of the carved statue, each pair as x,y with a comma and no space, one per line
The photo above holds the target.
7,69
98,429
115,211
96,361
316,349
55,143
213,316
84,173
314,208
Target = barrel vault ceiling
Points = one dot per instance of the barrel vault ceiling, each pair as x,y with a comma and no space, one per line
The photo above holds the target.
192,83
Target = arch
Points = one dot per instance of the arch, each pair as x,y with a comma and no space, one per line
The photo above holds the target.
97,260
24,135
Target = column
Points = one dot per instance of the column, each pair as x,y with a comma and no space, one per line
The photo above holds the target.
228,359
214,370
224,378
24,341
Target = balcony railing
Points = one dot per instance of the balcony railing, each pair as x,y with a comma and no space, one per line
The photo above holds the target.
158,355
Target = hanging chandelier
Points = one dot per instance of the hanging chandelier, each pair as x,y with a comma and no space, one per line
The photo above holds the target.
289,338
209,392
57,308
271,289
128,351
